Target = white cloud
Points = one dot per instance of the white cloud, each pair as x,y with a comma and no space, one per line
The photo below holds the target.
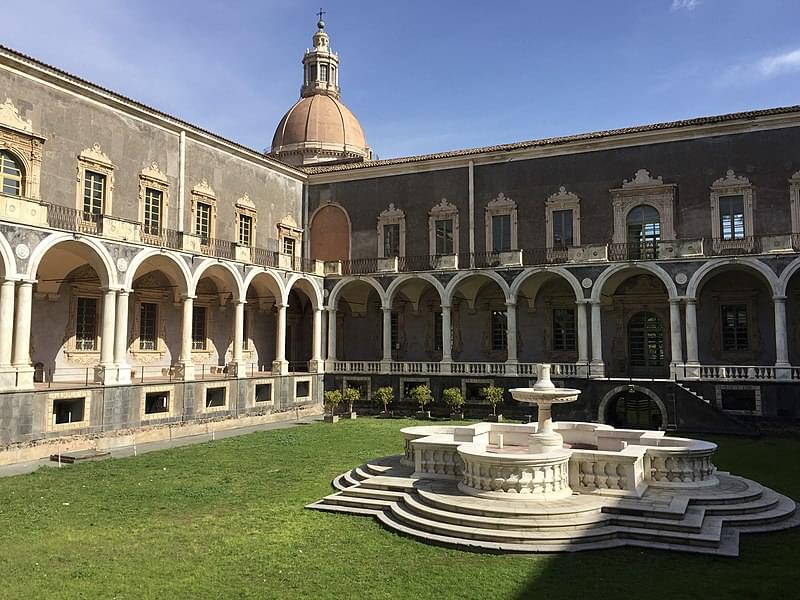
684,4
761,69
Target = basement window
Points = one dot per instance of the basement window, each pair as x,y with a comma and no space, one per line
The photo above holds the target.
263,392
156,402
68,411
738,400
302,389
215,397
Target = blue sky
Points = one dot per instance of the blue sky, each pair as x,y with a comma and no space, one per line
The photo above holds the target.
428,76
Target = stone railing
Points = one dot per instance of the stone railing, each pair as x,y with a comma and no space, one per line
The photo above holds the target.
612,472
438,459
414,433
680,462
559,370
356,366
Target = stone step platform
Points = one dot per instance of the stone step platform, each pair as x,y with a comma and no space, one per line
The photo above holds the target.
704,520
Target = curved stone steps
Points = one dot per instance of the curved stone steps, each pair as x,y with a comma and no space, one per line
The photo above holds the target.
374,493
781,511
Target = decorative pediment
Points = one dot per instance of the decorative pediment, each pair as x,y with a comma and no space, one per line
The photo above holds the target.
288,223
154,173
562,196
501,203
392,213
204,189
642,178
245,202
731,180
9,116
444,208
96,155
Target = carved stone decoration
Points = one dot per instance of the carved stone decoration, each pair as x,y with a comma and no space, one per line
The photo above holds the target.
440,212
246,207
204,189
498,207
95,160
681,278
732,185
587,283
22,251
563,200
391,216
10,117
122,265
154,172
644,189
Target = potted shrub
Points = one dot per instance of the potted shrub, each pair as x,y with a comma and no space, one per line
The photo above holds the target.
422,396
351,395
494,396
455,401
384,395
332,399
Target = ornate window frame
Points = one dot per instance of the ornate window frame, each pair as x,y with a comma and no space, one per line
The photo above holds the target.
70,346
794,201
441,212
732,185
495,208
651,191
203,192
94,159
246,207
18,138
392,216
152,177
563,200
287,227
756,389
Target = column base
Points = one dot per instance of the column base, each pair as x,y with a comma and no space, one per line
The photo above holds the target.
691,371
511,366
316,366
597,370
184,371
280,367
236,370
386,367
124,374
16,378
783,370
105,374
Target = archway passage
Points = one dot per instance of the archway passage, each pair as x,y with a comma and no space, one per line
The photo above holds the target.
633,410
645,343
330,234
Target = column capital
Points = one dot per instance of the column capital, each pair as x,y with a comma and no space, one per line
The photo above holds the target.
124,292
510,303
447,306
778,298
690,300
583,301
279,306
188,297
384,308
674,301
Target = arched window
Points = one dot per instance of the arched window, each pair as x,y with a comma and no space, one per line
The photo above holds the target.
644,232
10,174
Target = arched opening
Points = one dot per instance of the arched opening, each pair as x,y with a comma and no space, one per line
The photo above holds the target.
330,233
416,321
646,351
260,325
547,320
359,317
643,226
793,318
11,174
213,316
301,302
479,320
633,409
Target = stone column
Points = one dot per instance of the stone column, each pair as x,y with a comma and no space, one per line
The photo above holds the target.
676,345
583,332
185,361
6,321
692,362
21,358
511,332
316,365
447,333
331,335
781,337
121,338
387,336
597,367
280,366
108,372
236,368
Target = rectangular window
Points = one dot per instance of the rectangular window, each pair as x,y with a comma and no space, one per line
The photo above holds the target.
153,204
499,330
288,246
437,331
94,191
564,329
302,389
391,240
410,385
562,228
263,392
215,397
202,223
731,217
198,328
501,233
734,328
68,411
395,331
245,230
148,320
86,324
444,236
323,72
156,402
741,400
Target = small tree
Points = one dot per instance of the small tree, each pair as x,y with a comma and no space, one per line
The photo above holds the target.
453,398
332,399
494,396
384,395
351,395
422,395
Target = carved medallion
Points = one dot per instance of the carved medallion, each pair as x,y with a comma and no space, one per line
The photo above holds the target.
22,251
586,283
681,278
122,265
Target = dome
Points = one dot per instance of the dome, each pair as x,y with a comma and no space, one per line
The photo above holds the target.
319,128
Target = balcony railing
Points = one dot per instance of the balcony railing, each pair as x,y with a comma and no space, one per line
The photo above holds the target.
728,247
633,251
217,248
70,219
265,258
359,266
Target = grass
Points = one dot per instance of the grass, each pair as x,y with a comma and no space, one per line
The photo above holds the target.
226,520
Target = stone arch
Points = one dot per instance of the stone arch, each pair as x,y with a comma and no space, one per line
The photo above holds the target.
390,291
786,276
274,279
613,393
207,264
307,286
338,289
330,232
8,267
447,298
655,270
103,263
183,281
520,280
712,268
24,165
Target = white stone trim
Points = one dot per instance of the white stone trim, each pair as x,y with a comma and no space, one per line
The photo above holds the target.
310,396
214,409
152,177
245,206
392,216
467,380
732,185
264,403
94,159
647,190
170,402
563,200
718,389
354,378
498,207
441,212
403,380
203,192
50,424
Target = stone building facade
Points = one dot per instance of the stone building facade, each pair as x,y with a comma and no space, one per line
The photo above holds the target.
157,279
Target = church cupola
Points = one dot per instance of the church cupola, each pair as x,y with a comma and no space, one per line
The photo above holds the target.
320,66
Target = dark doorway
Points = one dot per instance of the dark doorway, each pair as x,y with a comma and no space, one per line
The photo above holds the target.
646,346
634,410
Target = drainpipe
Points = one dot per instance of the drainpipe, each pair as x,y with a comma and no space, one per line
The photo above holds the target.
181,179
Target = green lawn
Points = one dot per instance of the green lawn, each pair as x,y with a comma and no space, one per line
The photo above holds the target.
226,520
